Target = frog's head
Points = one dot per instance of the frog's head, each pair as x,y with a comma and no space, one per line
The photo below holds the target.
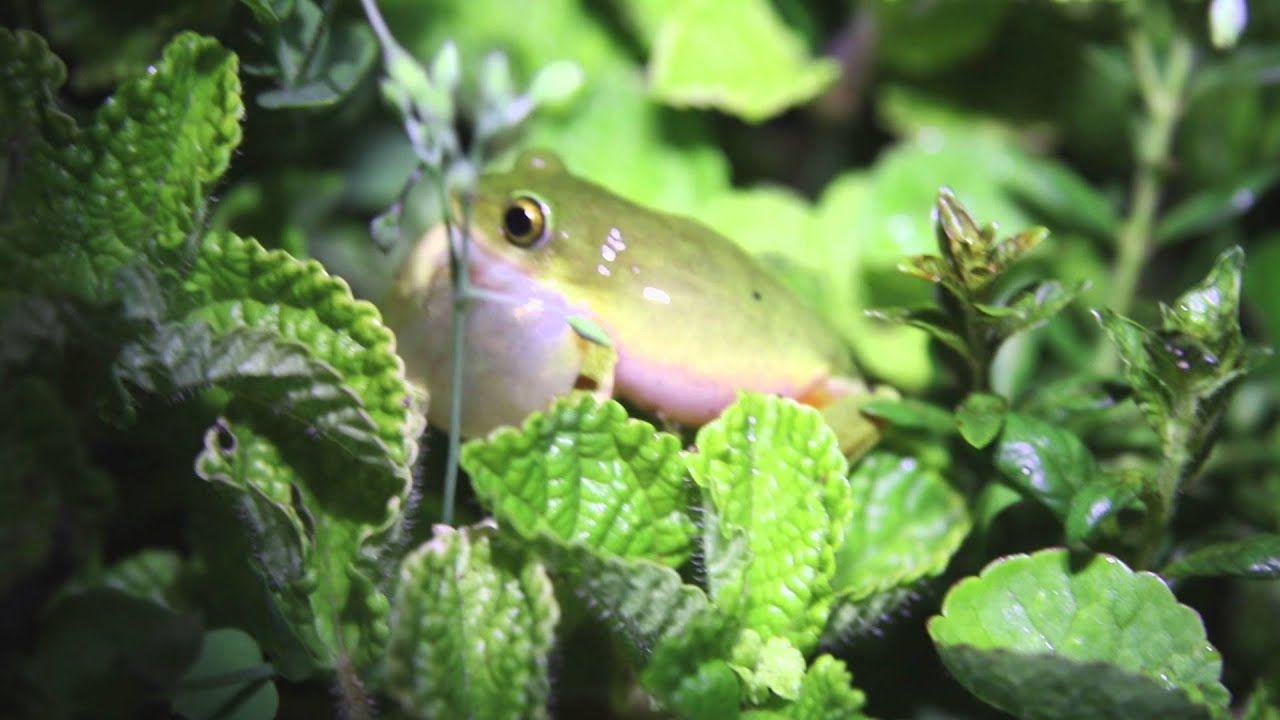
536,216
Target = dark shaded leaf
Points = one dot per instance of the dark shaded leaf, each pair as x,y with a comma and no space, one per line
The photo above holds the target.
1095,503
1210,209
1256,557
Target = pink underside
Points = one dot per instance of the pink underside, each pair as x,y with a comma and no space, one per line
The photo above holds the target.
676,394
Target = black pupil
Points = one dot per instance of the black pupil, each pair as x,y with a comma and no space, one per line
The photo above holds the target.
518,221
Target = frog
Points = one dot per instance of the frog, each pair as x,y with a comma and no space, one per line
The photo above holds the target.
574,288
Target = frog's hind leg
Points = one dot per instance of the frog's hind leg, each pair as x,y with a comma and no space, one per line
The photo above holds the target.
840,400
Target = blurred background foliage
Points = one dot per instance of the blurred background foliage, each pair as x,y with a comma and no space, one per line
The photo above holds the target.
816,134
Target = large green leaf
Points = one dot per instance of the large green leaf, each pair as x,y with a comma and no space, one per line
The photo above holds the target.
585,473
1046,637
776,496
471,630
82,202
737,57
906,524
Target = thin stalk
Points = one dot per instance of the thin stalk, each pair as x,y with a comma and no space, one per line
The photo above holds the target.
1162,97
460,276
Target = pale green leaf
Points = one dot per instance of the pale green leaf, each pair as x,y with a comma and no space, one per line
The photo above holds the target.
584,473
774,486
1031,631
471,630
767,666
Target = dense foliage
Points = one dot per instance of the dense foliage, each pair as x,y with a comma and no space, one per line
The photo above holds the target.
219,499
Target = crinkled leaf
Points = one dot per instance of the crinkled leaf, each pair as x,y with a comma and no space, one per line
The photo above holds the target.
906,523
1031,632
690,674
203,692
774,486
767,666
1095,503
1257,556
826,693
471,630
81,203
1044,461
980,417
739,58
236,283
305,398
314,563
912,414
585,473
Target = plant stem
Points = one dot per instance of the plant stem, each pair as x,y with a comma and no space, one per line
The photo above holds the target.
1162,97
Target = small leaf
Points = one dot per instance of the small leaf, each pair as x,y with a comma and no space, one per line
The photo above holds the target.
826,693
994,499
584,473
1043,461
774,485
1031,631
980,417
1096,502
471,630
931,320
767,666
1031,308
1255,557
1210,310
204,693
911,414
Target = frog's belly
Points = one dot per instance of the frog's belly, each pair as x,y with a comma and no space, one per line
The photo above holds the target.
693,398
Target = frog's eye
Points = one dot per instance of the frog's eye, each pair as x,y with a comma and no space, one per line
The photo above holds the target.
525,221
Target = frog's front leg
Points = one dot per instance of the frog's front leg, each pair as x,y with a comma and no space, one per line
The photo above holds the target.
840,399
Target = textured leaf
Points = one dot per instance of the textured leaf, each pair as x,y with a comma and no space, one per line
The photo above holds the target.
776,494
1043,461
1042,637
288,385
203,693
739,58
83,202
767,666
905,525
315,564
236,283
471,629
585,473
642,599
826,693
980,417
1257,556
690,673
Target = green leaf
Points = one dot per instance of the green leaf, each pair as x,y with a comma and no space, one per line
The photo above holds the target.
556,84
906,524
1031,631
1095,503
1043,461
774,486
227,680
1065,200
1210,209
1257,557
911,414
1030,308
739,58
689,671
344,56
315,564
236,283
826,693
585,473
150,574
1260,705
931,320
767,666
980,417
922,39
1210,310
472,627
82,203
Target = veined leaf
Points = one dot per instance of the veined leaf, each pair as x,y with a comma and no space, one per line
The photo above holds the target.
584,473
776,494
471,629
1031,631
83,202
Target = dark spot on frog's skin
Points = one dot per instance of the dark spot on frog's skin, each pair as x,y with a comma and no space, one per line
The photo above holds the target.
755,294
